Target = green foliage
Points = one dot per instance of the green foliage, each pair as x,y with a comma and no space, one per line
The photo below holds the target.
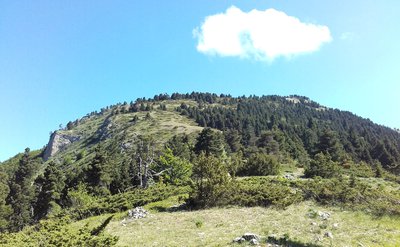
302,129
181,146
263,192
21,196
261,164
378,169
83,204
210,181
50,185
5,210
330,144
323,166
199,223
173,169
54,233
210,142
99,173
268,143
354,195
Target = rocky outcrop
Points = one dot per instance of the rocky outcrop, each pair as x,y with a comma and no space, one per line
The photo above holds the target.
58,142
252,238
137,213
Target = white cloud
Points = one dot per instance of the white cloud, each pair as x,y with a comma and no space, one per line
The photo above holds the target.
262,35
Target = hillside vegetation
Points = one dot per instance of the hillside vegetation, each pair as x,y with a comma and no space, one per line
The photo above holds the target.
269,156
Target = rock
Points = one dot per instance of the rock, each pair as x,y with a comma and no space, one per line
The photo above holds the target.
58,142
336,225
137,213
313,223
123,222
328,235
254,241
239,240
249,236
324,215
289,176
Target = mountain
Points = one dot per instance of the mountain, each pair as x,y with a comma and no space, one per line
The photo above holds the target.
132,154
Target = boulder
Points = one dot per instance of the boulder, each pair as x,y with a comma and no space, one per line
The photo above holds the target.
324,215
137,213
239,240
249,236
254,241
328,235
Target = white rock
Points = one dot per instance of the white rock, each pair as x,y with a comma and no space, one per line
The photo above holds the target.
324,215
328,235
239,240
249,236
254,241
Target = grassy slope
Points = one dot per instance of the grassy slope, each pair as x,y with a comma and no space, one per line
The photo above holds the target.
161,126
220,225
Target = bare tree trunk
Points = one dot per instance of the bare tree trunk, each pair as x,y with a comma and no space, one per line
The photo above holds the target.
140,176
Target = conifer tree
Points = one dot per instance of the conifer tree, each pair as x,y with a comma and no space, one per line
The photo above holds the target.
22,193
51,185
210,142
5,210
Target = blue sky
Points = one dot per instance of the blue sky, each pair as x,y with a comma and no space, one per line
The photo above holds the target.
62,59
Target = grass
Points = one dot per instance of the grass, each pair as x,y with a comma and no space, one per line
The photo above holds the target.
219,226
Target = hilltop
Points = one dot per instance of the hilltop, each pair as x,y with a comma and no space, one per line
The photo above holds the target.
203,150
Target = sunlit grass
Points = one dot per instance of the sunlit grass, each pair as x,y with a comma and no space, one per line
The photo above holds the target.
218,226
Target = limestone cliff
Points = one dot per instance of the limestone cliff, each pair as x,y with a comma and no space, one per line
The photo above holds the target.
58,142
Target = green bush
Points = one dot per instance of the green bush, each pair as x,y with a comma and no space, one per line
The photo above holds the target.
54,233
322,166
84,205
260,164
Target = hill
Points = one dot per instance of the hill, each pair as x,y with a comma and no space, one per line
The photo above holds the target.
210,151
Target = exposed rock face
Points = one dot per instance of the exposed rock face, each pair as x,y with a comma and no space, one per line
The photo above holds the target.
58,142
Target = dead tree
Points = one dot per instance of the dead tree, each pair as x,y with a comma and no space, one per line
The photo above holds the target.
145,156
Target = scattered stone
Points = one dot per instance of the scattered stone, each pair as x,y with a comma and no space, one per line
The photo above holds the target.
239,240
123,222
137,213
314,223
249,236
289,176
328,235
254,241
324,215
336,225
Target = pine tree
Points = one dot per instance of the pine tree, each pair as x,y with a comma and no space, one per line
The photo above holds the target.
99,172
5,210
210,181
51,185
210,142
330,144
22,193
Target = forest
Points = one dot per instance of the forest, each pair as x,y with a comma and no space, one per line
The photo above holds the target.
211,150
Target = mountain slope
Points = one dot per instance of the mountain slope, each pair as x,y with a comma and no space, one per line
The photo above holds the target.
200,147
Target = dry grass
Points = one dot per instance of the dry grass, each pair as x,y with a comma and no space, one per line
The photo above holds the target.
217,227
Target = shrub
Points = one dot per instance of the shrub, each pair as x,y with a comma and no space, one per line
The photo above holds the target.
54,233
323,166
210,181
261,164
